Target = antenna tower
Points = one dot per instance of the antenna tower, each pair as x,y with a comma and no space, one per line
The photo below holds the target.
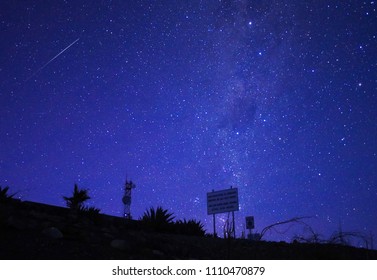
128,186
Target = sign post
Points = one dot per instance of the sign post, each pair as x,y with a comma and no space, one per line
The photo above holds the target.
221,202
250,224
214,226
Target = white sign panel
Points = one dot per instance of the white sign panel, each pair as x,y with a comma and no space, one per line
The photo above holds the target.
222,201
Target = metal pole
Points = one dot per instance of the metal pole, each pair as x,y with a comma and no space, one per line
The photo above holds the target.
214,226
234,226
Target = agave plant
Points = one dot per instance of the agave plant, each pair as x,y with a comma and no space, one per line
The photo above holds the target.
76,201
159,219
4,196
90,210
190,227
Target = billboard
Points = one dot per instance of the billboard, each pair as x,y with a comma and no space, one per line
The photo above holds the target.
222,201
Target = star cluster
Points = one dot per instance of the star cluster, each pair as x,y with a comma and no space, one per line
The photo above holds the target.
185,97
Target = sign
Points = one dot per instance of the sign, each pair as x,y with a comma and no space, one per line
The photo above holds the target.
250,222
222,201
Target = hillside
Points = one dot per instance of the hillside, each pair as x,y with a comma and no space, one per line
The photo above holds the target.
30,230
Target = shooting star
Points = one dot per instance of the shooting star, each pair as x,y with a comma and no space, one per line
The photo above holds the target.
51,60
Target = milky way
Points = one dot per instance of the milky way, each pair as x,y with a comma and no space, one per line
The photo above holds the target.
185,97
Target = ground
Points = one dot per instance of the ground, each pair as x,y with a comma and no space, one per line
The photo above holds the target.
37,231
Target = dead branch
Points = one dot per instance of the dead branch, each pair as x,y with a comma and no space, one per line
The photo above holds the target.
293,220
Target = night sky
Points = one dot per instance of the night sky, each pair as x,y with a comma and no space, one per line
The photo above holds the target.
276,98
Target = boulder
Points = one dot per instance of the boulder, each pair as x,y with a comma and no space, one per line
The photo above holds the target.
52,232
16,223
120,244
158,253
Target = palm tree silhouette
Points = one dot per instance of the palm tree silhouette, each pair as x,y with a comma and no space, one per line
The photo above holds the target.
76,201
4,195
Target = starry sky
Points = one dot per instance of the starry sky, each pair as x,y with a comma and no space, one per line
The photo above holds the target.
276,98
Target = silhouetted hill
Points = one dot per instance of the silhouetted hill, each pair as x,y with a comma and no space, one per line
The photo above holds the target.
30,230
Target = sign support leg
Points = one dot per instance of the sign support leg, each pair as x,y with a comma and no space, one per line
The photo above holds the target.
214,226
234,226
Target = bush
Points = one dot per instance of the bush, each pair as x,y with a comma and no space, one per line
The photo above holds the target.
90,212
158,220
190,227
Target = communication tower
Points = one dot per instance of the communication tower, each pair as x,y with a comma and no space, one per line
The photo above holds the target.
128,186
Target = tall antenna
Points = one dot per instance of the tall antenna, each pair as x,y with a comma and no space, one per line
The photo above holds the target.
128,186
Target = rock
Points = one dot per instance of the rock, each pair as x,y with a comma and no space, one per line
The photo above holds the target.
53,233
138,238
16,223
108,235
92,238
120,244
158,253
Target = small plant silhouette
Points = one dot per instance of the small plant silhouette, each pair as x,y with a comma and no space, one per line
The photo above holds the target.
75,202
4,196
159,219
190,227
90,210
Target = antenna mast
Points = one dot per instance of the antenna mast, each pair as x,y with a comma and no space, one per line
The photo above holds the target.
128,186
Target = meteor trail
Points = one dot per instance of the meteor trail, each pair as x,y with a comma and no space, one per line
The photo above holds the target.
51,60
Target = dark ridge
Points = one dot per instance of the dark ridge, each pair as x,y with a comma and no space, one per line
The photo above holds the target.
30,230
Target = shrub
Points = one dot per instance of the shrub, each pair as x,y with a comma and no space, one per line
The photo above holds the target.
90,210
158,220
190,227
